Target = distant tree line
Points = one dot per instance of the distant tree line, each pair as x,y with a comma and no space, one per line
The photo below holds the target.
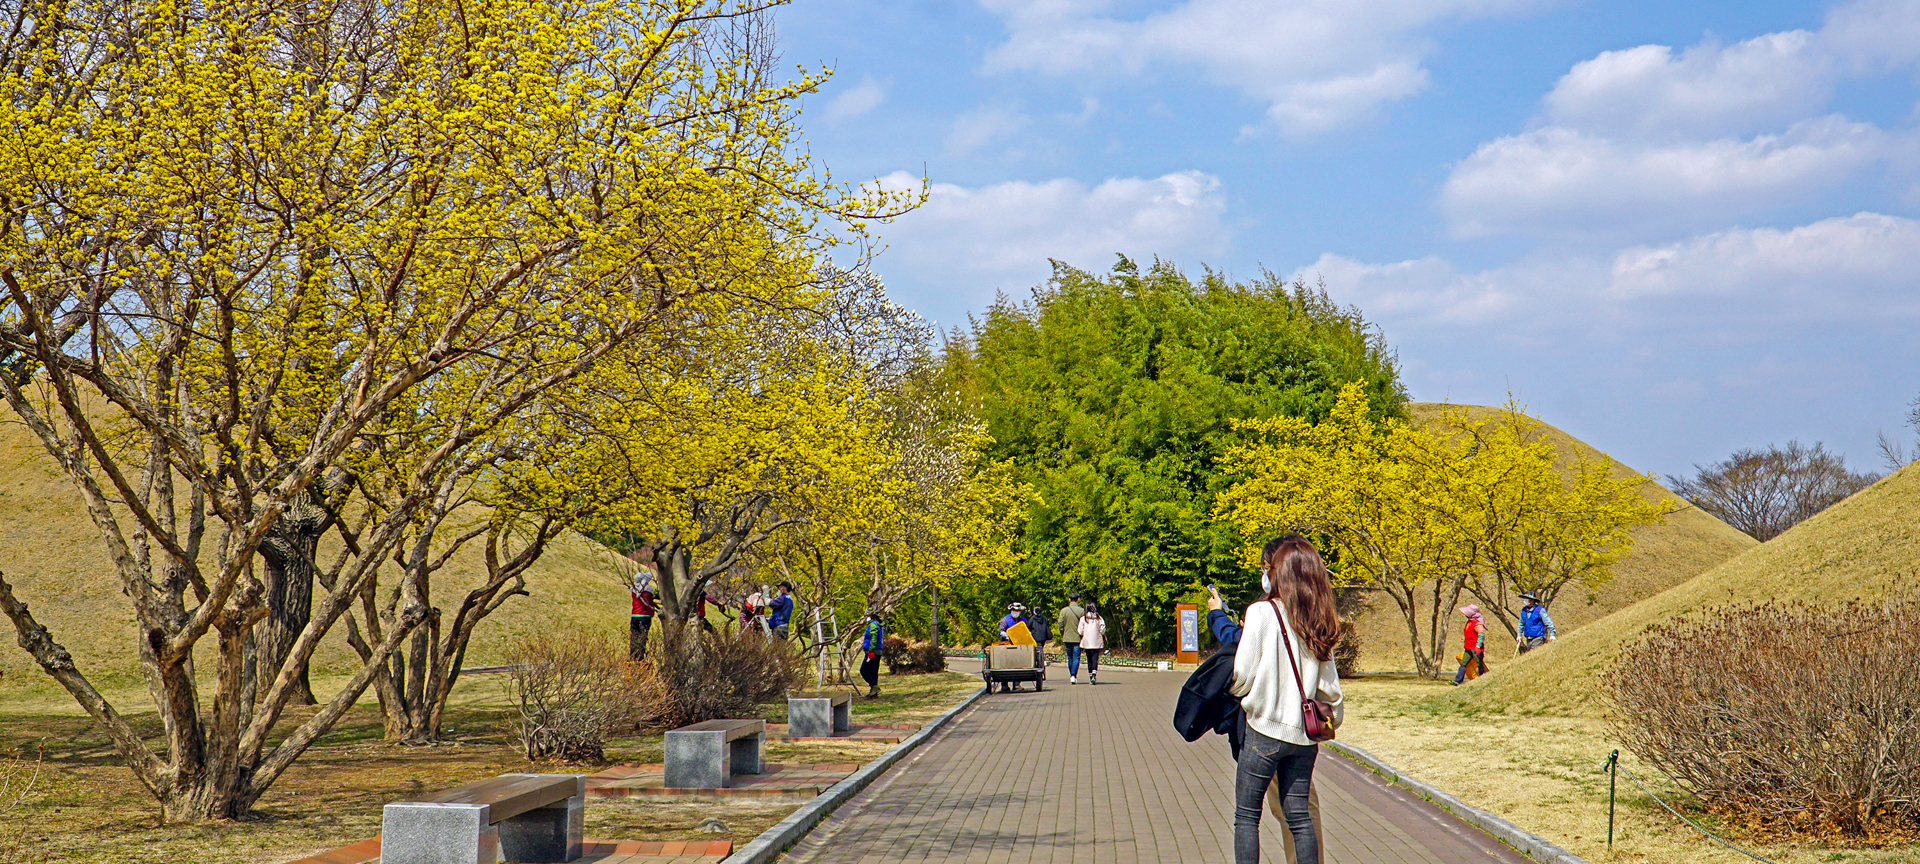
1765,491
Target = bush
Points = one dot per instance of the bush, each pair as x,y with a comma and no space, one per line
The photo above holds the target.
573,690
698,676
19,777
1786,717
1346,652
905,657
893,652
927,657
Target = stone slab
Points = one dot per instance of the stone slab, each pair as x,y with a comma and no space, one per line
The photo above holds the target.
425,832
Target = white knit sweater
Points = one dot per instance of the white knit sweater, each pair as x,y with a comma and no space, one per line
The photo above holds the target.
1263,679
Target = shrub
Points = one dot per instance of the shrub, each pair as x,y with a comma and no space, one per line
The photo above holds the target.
1346,652
573,689
1787,717
912,657
893,652
19,779
927,657
699,676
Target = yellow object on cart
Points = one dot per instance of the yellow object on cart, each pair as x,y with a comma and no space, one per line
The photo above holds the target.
1018,634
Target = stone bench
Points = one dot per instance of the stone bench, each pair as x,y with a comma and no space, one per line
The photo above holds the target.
518,817
707,755
819,715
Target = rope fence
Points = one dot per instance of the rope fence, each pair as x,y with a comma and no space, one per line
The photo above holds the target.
1613,767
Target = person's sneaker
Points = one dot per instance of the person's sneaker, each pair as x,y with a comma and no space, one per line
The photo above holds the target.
1073,679
1094,678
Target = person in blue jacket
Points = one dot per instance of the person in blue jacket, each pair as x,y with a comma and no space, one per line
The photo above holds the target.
1016,613
782,614
870,644
1536,626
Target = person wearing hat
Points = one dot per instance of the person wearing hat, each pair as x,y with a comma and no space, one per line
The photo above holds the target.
871,643
1536,626
1016,613
1474,651
1068,626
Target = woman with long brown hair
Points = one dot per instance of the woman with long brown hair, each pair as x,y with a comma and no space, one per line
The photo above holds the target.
1295,610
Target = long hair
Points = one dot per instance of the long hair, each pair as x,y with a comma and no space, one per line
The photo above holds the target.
1300,582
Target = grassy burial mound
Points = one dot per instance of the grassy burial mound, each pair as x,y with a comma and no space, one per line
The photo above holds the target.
52,553
1690,542
1866,547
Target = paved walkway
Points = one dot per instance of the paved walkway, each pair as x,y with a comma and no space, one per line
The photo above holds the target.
1080,774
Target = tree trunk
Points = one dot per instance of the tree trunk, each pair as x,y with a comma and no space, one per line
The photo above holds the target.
288,569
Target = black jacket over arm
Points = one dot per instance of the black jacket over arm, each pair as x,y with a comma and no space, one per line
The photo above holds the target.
1207,704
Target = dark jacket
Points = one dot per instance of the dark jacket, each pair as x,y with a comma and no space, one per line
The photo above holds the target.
1206,700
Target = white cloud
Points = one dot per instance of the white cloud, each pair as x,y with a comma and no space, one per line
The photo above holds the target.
968,243
1862,267
1424,288
1874,35
1562,181
1646,141
1318,64
1739,282
1704,91
854,101
983,126
1670,353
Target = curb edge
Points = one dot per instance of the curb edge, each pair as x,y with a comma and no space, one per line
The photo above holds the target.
1532,845
786,832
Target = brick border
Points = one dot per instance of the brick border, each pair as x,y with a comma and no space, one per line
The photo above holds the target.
775,840
1532,845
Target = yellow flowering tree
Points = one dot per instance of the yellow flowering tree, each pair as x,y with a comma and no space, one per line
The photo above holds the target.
1425,515
271,271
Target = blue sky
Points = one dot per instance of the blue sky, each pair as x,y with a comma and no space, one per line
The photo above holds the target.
1671,229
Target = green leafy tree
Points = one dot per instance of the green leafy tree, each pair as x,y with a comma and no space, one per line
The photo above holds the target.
1113,397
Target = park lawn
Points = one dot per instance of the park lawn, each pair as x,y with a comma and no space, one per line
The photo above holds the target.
1542,771
85,807
912,699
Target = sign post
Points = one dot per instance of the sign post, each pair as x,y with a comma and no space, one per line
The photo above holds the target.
1187,646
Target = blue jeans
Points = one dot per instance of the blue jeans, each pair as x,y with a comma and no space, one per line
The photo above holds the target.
1264,760
1073,658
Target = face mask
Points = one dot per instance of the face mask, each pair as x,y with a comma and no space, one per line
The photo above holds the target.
1266,583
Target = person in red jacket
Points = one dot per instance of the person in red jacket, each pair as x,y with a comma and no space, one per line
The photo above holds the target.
645,604
1474,650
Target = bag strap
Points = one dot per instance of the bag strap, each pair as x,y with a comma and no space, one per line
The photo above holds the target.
1291,659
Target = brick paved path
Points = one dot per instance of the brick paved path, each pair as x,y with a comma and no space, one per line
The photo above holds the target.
1082,774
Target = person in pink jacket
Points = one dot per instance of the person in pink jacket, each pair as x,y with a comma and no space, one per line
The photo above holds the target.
1093,640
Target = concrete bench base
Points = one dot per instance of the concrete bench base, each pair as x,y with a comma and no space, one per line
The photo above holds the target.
464,832
819,716
707,755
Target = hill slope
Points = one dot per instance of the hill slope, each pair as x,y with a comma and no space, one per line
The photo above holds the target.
51,553
1687,544
1865,547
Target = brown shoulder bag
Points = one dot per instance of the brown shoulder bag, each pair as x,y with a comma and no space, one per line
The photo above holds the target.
1315,716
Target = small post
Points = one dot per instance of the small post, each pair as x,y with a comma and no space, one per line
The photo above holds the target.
1613,775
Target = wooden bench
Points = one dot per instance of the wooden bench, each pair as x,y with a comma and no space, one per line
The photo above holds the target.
518,817
819,715
707,755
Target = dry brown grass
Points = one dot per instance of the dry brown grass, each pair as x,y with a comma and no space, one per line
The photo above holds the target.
1541,771
1866,547
90,809
1687,544
52,554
